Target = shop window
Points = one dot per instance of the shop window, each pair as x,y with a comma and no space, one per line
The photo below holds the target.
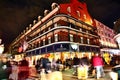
56,37
71,37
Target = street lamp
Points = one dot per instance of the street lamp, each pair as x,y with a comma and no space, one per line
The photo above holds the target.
1,47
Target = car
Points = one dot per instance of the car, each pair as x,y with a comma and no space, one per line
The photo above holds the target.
115,72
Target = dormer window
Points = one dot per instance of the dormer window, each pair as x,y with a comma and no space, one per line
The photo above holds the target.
84,16
78,13
69,9
91,21
81,39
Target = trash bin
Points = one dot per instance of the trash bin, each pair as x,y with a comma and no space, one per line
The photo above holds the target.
82,72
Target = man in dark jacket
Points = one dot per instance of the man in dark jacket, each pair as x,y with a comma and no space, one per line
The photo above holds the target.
3,68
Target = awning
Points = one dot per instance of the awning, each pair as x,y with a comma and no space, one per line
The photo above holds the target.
113,51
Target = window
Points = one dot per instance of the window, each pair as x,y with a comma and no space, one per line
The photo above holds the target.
81,39
80,29
55,25
49,28
78,13
71,37
43,42
91,21
39,43
86,31
84,16
88,41
69,9
56,37
49,40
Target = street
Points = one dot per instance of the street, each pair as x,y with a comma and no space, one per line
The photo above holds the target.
67,75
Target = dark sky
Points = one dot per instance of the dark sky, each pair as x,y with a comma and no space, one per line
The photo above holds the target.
16,15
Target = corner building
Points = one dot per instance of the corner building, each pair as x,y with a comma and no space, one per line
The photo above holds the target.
66,31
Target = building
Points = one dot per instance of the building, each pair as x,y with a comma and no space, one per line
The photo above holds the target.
1,47
106,36
117,30
117,26
66,31
108,45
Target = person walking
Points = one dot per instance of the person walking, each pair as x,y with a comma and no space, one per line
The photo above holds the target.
23,69
76,62
14,73
98,63
4,75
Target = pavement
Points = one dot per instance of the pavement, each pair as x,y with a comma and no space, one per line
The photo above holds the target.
68,75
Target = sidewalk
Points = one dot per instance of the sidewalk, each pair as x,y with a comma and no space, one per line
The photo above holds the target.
67,75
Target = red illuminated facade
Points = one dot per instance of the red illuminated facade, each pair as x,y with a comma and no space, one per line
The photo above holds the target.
77,10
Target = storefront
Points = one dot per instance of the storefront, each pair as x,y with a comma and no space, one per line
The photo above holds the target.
62,51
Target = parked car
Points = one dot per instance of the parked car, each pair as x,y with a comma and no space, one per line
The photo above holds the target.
115,73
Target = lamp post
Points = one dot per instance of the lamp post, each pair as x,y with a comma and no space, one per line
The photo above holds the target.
1,47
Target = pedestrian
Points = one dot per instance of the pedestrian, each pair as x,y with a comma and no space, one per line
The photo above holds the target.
98,63
14,73
4,75
23,69
45,64
59,64
76,62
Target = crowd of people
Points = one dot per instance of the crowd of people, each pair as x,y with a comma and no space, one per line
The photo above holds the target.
96,63
14,70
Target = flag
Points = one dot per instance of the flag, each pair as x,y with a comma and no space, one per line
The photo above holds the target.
25,46
20,49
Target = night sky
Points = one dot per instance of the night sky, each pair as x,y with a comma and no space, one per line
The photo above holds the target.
16,15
